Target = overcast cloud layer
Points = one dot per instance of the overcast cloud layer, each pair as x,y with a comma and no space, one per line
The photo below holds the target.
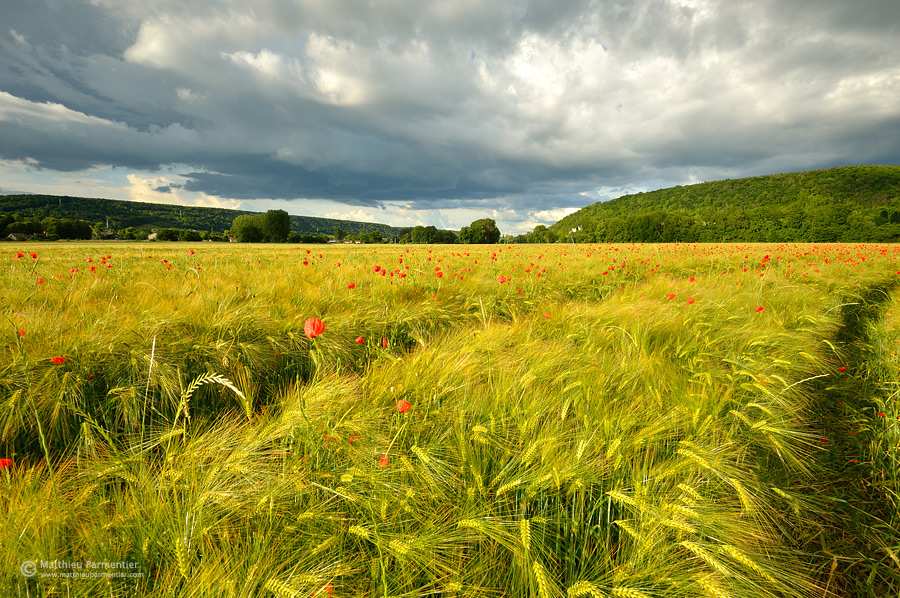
410,112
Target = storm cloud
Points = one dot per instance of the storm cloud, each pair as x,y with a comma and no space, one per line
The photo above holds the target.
518,110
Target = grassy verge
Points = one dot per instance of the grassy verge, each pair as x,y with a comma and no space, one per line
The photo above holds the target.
862,532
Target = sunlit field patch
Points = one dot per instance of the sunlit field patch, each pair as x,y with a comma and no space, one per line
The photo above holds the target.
556,420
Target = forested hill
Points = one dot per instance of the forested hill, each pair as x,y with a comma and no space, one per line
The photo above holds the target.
854,203
124,214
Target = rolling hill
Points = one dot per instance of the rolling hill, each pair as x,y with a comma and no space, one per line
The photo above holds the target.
845,204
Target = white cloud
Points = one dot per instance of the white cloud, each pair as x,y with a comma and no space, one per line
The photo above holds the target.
166,190
38,114
19,38
551,216
189,95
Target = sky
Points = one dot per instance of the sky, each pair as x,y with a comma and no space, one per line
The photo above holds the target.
410,112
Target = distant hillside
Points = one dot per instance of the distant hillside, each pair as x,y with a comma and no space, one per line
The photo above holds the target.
124,214
846,204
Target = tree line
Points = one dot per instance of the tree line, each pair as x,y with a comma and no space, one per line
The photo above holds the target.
122,215
273,226
270,227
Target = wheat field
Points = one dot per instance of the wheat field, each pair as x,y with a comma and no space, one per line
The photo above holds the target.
451,421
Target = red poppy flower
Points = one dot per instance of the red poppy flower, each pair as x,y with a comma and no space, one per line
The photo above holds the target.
39,280
403,406
18,255
313,327
58,360
690,301
22,333
191,252
760,308
4,463
439,274
352,285
329,589
384,343
33,255
546,315
670,296
360,340
383,461
842,368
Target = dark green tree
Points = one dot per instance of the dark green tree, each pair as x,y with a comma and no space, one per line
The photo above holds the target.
418,235
247,229
277,226
74,229
481,231
445,236
167,234
5,220
372,237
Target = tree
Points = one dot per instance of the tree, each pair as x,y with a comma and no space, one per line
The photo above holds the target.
277,226
445,236
49,224
481,231
339,233
5,220
418,235
73,229
247,229
372,237
167,234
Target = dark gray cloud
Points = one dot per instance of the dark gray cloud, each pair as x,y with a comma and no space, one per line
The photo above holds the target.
520,106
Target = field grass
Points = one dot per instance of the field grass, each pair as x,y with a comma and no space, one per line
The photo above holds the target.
593,420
